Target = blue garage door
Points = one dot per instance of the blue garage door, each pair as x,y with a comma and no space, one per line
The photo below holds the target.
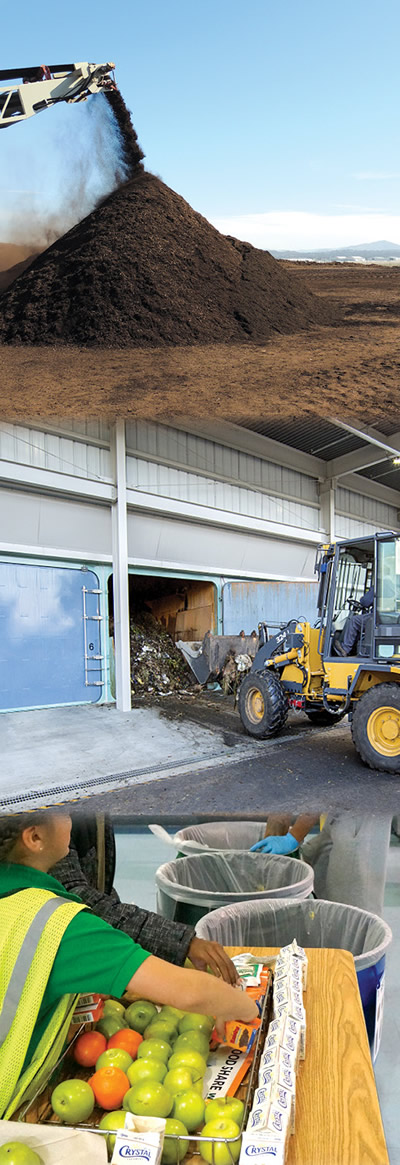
246,604
49,636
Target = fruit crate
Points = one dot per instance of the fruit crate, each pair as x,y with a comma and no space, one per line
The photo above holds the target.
39,1111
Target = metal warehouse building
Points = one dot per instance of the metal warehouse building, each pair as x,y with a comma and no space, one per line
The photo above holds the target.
214,525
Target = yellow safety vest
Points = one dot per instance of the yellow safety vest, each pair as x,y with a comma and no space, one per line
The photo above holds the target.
32,925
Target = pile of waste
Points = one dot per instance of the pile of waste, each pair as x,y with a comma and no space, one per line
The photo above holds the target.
235,667
157,665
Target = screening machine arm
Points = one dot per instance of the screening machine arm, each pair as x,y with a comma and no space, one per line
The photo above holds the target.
24,92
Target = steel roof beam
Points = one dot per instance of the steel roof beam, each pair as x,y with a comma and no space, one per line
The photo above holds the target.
377,448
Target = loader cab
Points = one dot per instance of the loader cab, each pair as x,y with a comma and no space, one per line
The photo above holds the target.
347,571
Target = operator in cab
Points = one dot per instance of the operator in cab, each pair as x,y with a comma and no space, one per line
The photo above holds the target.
354,624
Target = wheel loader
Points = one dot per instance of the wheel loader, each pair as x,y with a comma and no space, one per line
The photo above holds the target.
303,666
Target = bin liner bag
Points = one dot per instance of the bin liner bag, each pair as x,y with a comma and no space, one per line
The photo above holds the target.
212,878
222,835
314,923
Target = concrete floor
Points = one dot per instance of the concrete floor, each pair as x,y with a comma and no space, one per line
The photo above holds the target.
135,882
77,751
183,757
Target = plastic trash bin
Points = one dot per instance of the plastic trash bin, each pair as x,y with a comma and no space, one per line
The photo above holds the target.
314,924
219,835
189,887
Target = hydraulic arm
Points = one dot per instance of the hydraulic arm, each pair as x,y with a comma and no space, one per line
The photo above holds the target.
24,92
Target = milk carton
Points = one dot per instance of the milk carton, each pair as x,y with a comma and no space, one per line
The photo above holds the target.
283,1100
287,1059
262,1149
279,1121
269,1056
266,1076
141,1141
257,1121
262,1095
296,1027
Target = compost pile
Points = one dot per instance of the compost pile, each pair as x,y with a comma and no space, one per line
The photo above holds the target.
145,270
157,665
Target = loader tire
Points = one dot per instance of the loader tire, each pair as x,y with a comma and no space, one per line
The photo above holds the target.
320,717
263,705
376,727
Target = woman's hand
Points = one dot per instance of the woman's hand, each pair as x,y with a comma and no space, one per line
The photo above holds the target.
203,953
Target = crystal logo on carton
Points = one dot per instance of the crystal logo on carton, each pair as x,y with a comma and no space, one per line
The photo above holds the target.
261,1150
130,1151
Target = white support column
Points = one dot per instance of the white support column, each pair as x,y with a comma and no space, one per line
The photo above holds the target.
120,572
327,496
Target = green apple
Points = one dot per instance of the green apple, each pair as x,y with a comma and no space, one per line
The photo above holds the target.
189,1059
198,1041
114,1058
73,1101
189,1108
149,1098
219,1153
112,1120
140,1014
113,1007
226,1106
125,1102
110,1024
161,1029
193,1021
18,1153
158,1048
174,1012
178,1080
174,1150
150,1069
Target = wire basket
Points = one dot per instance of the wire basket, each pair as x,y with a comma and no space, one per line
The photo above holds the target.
38,1109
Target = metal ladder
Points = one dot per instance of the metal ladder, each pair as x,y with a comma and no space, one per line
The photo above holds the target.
89,658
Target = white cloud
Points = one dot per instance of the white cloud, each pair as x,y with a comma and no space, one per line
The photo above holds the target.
299,230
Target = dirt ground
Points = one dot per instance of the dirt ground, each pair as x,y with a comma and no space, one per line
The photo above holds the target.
349,370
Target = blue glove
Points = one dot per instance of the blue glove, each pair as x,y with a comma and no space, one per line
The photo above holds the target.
276,845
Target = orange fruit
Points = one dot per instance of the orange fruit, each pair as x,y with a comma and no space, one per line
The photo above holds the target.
126,1039
88,1047
109,1086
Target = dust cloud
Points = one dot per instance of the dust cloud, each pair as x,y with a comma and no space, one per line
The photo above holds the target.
93,153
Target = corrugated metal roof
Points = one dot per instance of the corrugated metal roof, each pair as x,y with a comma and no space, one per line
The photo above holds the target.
326,440
317,436
385,473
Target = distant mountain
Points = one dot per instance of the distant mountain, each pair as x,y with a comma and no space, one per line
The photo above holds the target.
381,250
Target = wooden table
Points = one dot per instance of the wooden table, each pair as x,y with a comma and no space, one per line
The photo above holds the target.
338,1119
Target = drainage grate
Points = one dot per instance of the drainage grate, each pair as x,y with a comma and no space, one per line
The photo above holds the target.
233,756
66,792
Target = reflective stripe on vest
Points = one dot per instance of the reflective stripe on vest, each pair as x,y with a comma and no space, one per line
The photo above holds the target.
23,964
32,925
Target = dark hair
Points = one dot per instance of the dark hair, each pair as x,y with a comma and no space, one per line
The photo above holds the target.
12,827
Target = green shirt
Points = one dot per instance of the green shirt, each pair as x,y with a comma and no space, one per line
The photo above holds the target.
92,956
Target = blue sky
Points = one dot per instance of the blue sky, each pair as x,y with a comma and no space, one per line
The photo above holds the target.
278,122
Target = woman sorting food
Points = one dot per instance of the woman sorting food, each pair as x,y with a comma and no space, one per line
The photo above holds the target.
53,948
